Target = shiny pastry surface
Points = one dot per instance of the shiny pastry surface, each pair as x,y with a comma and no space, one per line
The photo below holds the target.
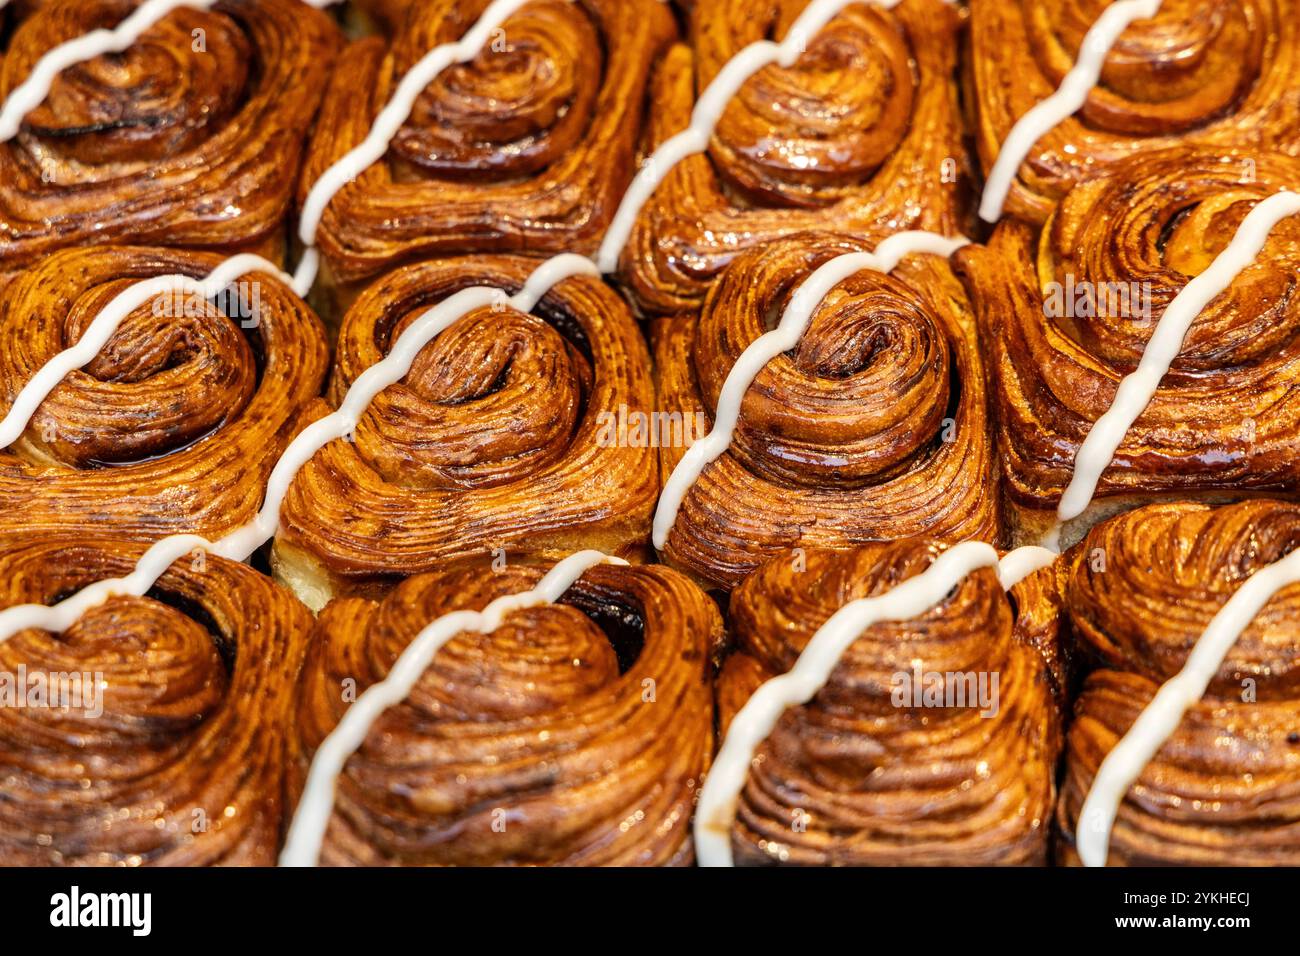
857,778
875,426
175,425
529,147
1223,789
862,134
163,143
497,438
177,758
508,443
1216,75
1068,310
575,734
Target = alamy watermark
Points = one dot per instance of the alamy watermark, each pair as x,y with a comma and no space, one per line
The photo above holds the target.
632,429
1097,300
922,688
52,690
75,908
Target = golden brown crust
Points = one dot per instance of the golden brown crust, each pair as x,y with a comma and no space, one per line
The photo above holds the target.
1219,76
1037,602
1223,418
162,144
175,425
874,427
574,734
862,135
184,765
387,14
495,439
527,148
1225,788
857,778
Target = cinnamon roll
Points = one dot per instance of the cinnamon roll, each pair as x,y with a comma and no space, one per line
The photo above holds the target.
175,425
189,138
502,438
863,134
573,734
528,147
1141,589
1215,76
875,426
152,731
1068,311
935,740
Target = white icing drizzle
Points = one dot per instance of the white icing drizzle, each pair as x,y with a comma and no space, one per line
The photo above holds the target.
240,543
310,820
717,807
32,91
1068,99
312,817
105,324
243,541
754,722
386,126
722,788
1157,723
706,114
1019,564
794,321
1138,388
63,615
704,118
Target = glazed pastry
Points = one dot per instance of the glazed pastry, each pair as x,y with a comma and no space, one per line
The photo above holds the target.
1068,310
529,147
503,435
1141,589
517,437
175,425
872,771
162,144
574,734
1218,76
862,134
374,15
874,427
170,749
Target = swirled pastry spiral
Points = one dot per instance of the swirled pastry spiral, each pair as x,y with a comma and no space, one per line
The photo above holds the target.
1069,309
867,773
1225,788
528,147
500,437
862,134
165,143
874,427
1217,75
175,425
574,734
176,756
